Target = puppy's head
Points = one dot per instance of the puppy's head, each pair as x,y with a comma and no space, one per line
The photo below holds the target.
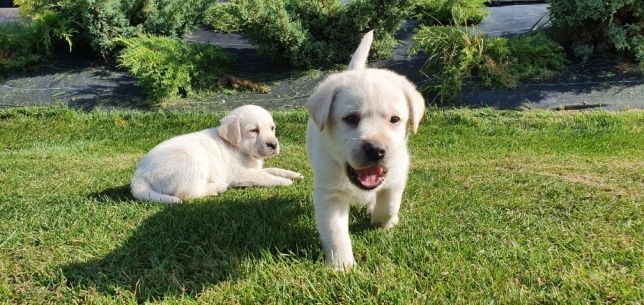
251,129
366,114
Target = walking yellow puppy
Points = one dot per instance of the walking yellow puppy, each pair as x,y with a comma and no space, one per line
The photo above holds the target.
356,140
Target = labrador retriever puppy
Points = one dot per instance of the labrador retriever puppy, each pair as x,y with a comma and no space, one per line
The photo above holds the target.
356,139
207,162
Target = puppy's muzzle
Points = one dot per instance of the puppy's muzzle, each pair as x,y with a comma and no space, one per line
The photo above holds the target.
271,148
374,151
271,145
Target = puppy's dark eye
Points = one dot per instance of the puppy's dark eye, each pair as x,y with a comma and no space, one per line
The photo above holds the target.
352,119
255,130
394,119
272,128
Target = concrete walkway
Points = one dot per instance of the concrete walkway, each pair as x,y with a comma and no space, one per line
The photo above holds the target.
83,84
9,14
512,20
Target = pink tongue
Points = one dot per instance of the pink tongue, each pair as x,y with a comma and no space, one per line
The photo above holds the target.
370,177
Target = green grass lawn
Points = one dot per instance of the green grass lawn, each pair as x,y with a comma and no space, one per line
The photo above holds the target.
501,207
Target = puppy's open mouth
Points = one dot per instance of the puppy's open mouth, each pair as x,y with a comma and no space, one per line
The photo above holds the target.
367,178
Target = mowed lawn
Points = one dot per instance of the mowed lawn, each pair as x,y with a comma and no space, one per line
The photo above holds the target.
502,207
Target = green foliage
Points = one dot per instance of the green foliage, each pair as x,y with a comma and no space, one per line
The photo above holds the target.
99,22
15,45
446,12
164,67
33,7
508,61
311,33
455,55
592,27
221,17
171,17
452,54
25,44
167,67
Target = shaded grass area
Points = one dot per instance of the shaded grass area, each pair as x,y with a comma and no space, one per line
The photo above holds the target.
501,206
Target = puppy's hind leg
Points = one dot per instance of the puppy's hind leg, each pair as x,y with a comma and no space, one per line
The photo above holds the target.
215,188
142,190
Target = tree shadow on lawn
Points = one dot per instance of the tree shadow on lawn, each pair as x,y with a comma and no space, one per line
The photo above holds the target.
187,247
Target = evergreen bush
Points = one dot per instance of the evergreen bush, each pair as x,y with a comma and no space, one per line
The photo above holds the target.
23,45
99,22
454,55
509,61
592,27
450,12
168,67
147,32
312,33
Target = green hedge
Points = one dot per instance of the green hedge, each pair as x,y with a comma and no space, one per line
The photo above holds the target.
142,35
450,12
168,67
99,22
312,33
454,55
592,27
25,44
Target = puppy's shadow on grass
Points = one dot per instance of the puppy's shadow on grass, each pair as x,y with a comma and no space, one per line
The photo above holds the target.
113,194
186,248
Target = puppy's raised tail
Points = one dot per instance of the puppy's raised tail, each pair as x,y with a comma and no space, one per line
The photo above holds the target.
142,190
359,58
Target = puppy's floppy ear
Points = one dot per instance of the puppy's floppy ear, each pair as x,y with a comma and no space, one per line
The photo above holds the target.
229,129
416,104
319,103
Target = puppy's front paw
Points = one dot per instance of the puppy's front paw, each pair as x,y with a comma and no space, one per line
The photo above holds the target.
291,174
342,264
283,181
284,173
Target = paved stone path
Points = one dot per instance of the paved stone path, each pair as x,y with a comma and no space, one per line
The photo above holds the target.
512,20
9,14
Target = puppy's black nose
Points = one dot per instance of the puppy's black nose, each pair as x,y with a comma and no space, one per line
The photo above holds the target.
271,145
374,151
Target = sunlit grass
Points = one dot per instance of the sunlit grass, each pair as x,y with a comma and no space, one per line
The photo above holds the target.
501,206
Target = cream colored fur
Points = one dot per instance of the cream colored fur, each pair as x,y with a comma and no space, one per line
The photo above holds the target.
207,162
335,143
